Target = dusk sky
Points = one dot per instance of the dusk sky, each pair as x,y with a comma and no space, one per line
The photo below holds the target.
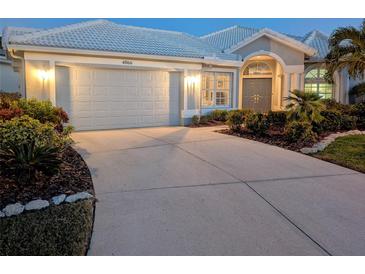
202,26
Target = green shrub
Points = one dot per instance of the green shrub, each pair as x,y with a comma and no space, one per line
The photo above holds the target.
299,132
195,120
348,122
257,123
209,117
43,111
203,119
7,98
358,111
24,129
277,118
330,123
26,161
333,105
235,119
219,115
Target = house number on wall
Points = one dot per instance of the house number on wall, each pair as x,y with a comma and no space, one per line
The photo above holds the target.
127,62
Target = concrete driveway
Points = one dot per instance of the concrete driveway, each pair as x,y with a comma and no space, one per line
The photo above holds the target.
181,191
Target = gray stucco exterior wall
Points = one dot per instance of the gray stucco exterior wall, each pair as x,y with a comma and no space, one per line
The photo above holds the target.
288,54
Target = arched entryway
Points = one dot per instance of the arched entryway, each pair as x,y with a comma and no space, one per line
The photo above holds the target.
261,78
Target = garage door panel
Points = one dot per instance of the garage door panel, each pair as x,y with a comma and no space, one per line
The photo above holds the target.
110,98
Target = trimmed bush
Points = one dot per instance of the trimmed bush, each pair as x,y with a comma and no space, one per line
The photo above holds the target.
277,118
24,129
299,132
331,122
6,98
195,120
257,123
203,120
235,119
333,105
219,115
348,122
43,111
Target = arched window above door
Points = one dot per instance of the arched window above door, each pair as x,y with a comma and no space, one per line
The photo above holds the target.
258,69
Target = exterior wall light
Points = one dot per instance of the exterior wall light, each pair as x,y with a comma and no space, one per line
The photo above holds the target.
43,74
192,80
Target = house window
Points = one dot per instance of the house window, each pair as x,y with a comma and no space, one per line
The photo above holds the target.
314,82
258,69
216,89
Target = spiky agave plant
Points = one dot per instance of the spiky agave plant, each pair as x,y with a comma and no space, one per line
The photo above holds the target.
27,160
347,50
304,106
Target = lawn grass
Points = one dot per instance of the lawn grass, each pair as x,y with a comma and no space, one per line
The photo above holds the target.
57,230
348,151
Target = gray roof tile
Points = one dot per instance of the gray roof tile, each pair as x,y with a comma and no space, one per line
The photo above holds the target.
103,35
229,37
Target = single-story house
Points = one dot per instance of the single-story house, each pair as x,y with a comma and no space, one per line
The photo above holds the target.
107,75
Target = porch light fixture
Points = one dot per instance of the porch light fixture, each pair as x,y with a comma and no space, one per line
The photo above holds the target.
43,74
192,79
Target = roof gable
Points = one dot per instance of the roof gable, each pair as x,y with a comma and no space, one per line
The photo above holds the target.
291,42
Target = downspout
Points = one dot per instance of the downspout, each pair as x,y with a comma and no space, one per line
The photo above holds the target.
17,57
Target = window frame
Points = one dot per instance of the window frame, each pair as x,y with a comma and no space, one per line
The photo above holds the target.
317,82
214,89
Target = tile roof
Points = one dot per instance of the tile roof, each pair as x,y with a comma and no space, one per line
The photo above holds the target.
229,37
319,41
226,38
103,35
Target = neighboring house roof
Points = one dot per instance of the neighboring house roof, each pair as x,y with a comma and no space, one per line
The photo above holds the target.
319,41
234,36
103,35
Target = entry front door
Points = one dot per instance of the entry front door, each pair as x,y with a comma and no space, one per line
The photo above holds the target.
257,94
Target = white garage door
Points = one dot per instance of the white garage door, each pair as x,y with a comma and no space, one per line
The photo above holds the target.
114,98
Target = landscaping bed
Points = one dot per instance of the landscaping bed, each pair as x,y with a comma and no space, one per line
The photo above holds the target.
73,177
348,151
275,138
46,190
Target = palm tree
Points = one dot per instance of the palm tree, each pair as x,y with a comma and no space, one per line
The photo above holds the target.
304,106
347,50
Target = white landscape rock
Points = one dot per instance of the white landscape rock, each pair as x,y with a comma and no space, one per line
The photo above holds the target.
78,196
328,140
2,214
58,199
36,204
13,209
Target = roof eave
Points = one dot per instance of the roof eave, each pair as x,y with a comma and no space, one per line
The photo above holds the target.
43,49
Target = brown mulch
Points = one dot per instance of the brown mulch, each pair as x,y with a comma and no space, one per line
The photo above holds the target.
208,124
74,176
275,138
